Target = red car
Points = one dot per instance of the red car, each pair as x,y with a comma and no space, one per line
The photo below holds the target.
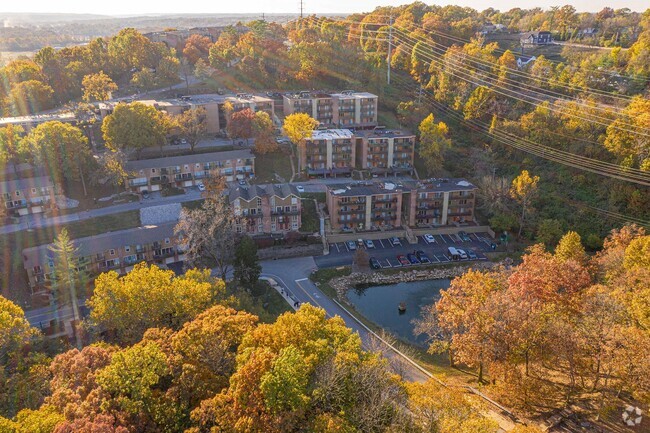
403,260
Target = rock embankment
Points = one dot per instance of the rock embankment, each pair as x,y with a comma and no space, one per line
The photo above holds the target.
343,284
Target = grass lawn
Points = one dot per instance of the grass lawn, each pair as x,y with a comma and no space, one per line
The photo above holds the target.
310,220
322,278
388,119
263,301
267,166
13,282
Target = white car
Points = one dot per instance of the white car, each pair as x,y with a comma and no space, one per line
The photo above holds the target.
428,238
200,186
369,244
300,188
463,255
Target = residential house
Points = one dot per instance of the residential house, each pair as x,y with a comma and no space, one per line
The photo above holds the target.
188,170
31,195
265,209
364,206
114,251
536,38
347,109
328,152
439,202
384,151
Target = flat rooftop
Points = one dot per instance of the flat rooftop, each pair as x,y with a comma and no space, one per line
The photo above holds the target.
383,133
441,185
364,188
331,134
194,158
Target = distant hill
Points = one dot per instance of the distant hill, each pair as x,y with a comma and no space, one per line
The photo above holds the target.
12,19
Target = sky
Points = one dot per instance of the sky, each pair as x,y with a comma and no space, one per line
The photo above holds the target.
131,7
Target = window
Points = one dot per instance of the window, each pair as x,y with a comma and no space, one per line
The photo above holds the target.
186,167
167,240
259,202
112,252
294,200
127,249
153,170
17,193
38,269
33,190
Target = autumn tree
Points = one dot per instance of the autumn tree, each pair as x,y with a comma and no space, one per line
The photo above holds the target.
523,189
12,151
134,127
246,264
148,297
433,143
29,97
197,48
264,133
240,124
98,87
168,70
192,125
625,137
570,248
15,330
298,127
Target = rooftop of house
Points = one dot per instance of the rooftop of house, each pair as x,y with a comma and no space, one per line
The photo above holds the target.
92,245
331,134
248,193
383,133
440,185
364,188
194,158
22,184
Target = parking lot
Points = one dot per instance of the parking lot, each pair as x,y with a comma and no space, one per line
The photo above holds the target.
386,253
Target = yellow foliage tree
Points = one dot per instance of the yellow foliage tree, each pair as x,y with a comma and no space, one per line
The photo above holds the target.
523,189
297,127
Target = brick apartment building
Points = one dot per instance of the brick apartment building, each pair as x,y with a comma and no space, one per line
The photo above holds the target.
118,251
266,209
383,151
339,151
328,152
370,205
31,195
364,206
214,105
347,109
188,170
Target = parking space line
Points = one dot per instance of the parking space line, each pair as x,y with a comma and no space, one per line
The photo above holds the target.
388,265
346,247
337,247
381,243
443,239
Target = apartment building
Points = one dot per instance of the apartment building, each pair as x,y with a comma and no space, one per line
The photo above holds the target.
439,202
188,170
265,209
364,206
115,251
347,109
328,152
28,196
32,121
383,151
370,205
214,105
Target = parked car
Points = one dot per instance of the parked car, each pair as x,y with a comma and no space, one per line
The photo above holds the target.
200,186
428,238
351,245
471,254
403,260
422,256
374,263
462,254
300,188
395,241
242,182
412,258
369,244
464,236
145,194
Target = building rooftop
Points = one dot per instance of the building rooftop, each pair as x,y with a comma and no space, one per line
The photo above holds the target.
440,185
330,134
364,188
21,184
66,116
92,245
193,158
248,193
383,133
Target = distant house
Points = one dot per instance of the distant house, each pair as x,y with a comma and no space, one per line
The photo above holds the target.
589,31
521,62
25,196
536,38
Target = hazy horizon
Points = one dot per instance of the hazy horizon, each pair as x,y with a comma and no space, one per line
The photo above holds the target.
119,8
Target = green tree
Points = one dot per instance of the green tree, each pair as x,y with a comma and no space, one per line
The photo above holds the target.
298,127
98,87
12,150
246,264
523,189
134,127
144,80
168,71
570,248
29,97
549,232
149,297
192,125
433,143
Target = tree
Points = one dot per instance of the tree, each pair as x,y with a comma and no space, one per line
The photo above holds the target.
168,70
433,142
246,264
570,248
623,137
62,148
192,125
68,276
240,124
12,150
197,48
410,114
134,127
549,232
208,233
637,254
149,297
144,80
29,97
264,133
98,87
15,330
523,189
298,127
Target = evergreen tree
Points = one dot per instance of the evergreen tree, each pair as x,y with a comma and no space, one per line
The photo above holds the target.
247,266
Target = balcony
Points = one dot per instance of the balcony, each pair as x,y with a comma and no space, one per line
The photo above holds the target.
162,254
164,171
184,176
138,182
382,217
453,213
384,200
353,219
467,196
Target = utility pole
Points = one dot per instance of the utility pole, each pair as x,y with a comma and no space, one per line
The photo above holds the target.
301,8
390,44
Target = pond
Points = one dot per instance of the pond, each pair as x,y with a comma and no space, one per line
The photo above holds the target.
379,304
